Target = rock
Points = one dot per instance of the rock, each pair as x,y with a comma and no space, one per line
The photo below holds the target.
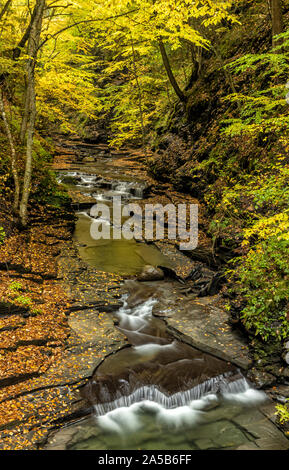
151,273
204,444
222,433
284,390
285,373
89,159
261,379
139,296
286,357
70,179
248,446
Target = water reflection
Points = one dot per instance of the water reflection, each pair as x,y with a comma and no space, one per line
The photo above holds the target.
125,257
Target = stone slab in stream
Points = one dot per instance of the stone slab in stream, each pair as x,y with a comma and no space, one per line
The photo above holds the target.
181,264
267,436
204,325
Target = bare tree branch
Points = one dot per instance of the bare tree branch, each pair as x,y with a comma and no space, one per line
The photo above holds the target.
5,8
51,36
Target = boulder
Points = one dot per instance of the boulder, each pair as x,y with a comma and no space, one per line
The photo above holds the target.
260,378
151,273
286,357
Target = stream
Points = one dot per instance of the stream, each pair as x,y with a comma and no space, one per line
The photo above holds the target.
158,392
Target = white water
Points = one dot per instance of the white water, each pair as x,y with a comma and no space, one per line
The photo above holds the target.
217,388
126,189
137,317
180,410
151,349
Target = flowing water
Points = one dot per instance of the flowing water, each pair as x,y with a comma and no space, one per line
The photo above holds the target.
157,393
121,256
161,393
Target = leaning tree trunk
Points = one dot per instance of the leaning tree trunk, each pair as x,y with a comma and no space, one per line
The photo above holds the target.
5,8
167,65
30,109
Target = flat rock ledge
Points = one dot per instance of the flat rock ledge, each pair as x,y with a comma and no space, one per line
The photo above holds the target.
206,327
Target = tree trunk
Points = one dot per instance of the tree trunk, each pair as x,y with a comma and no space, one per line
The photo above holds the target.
25,117
29,156
13,155
139,92
33,44
179,92
277,20
17,50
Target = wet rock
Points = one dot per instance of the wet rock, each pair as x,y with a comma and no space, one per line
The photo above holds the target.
261,379
285,373
227,435
219,413
99,305
273,443
284,390
281,399
222,433
151,273
138,293
286,357
62,439
66,179
205,326
274,369
248,446
204,444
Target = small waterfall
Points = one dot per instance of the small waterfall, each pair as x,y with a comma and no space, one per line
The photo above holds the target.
220,386
126,189
88,179
138,192
182,408
81,180
73,175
